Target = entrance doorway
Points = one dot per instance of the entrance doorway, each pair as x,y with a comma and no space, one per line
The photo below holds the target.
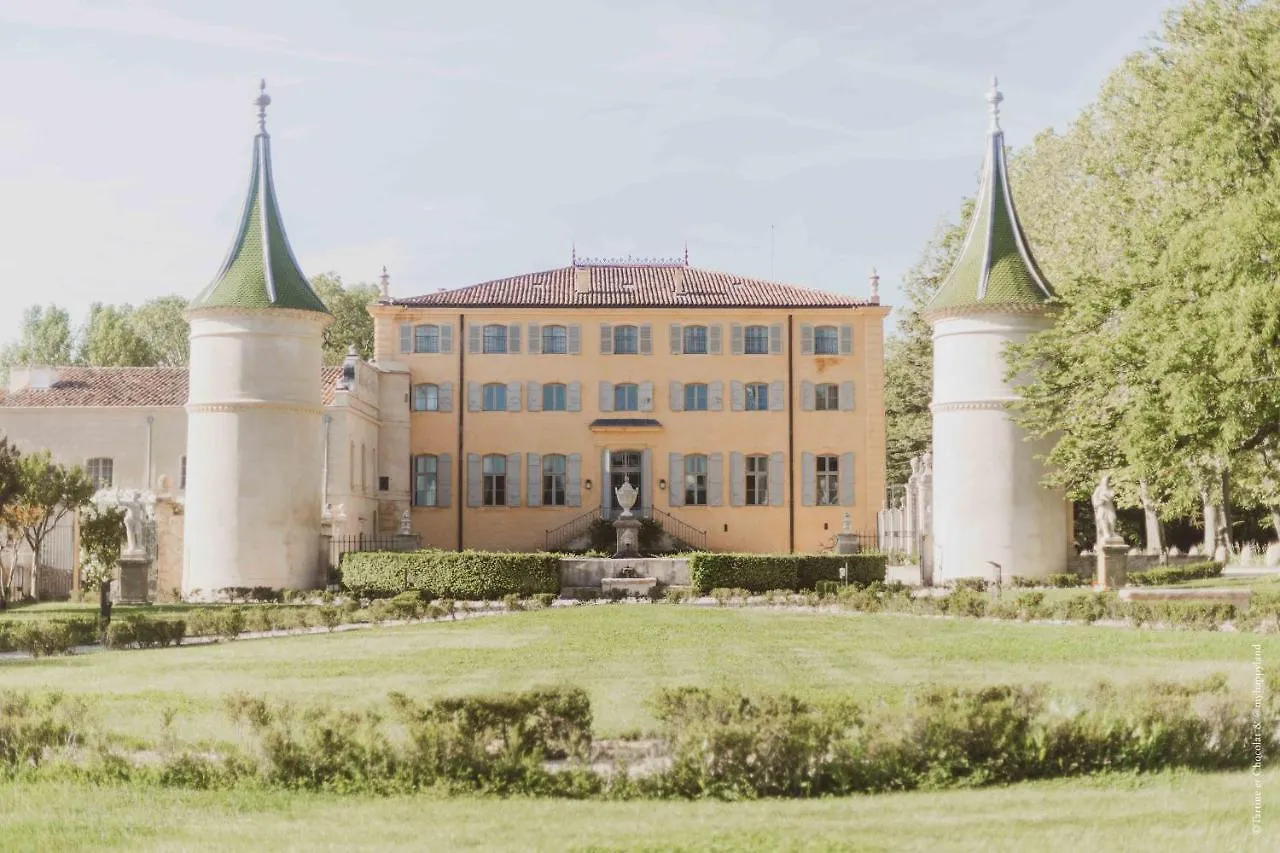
625,465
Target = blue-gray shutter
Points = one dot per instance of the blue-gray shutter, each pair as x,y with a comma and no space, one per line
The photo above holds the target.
475,397
473,339
646,339
606,396
535,339
573,480
533,395
806,339
513,479
777,395
513,396
406,337
646,396
446,338
675,479
606,339
475,480
533,493
775,339
646,493
846,340
713,339
715,479
807,402
737,396
846,479
736,345
846,396
444,479
737,479
808,480
605,497
677,341
513,338
575,339
445,397
677,396
573,397
715,396
776,481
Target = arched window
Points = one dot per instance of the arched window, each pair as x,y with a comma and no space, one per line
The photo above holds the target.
757,340
425,468
827,397
426,398
695,340
757,480
626,397
553,480
555,340
695,397
757,396
100,471
495,397
426,338
495,480
554,398
826,340
626,340
495,338
695,480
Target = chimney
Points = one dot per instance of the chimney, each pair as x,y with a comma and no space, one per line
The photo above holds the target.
678,280
875,286
37,377
581,279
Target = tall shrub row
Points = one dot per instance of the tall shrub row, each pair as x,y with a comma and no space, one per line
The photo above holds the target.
763,572
465,575
1176,574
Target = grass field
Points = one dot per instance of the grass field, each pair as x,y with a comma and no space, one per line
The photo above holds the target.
621,654
1171,813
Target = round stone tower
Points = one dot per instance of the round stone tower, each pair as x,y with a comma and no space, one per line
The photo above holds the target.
991,515
254,454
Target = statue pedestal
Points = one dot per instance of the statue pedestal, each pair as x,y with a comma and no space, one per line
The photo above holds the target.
847,543
132,582
1113,564
628,537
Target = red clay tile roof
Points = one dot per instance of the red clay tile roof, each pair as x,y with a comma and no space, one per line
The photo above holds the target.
637,286
124,386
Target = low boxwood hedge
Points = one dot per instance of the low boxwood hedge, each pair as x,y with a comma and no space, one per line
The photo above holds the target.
465,575
1176,574
763,572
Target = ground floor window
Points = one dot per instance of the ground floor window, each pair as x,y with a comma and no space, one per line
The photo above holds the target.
553,480
828,480
695,480
100,470
425,470
495,480
757,481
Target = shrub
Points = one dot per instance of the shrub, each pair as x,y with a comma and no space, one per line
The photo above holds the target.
1088,608
1197,615
965,601
1176,574
763,572
825,588
975,584
144,632
450,574
1065,580
407,605
225,622
512,603
33,725
39,637
330,616
544,599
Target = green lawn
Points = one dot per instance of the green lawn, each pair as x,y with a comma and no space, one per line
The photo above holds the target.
1171,813
621,654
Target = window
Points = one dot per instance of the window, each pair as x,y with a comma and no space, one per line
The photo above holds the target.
495,480
827,397
495,338
426,339
695,339
757,340
555,340
826,340
553,397
695,397
99,471
553,479
695,480
182,474
424,480
757,481
757,396
626,397
828,480
495,397
626,340
426,398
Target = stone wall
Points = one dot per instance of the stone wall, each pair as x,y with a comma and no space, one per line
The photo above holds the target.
673,571
1086,565
168,560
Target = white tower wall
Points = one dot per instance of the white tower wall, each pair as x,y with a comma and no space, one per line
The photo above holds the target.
988,504
254,450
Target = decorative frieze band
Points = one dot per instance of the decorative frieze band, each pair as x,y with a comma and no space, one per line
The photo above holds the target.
244,405
968,405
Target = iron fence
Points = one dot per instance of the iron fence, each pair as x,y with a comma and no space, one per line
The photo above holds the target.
53,579
338,547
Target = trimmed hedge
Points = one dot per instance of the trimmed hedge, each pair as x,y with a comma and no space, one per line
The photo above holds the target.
46,636
763,572
1176,574
467,575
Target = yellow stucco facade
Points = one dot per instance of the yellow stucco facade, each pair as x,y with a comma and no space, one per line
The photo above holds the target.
816,408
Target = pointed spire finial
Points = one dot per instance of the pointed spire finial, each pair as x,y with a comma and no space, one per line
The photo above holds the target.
574,252
686,253
262,101
385,281
875,285
994,97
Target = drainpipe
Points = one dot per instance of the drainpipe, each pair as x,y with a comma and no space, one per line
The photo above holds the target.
460,401
791,437
324,477
150,423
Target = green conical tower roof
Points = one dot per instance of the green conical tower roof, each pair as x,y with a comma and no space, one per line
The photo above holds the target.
260,270
995,268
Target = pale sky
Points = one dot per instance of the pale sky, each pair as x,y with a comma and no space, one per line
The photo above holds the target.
458,142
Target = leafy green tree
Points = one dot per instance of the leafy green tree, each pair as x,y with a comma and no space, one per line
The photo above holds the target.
109,338
162,327
353,324
47,492
45,338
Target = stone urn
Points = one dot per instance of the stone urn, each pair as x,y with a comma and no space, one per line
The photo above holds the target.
627,525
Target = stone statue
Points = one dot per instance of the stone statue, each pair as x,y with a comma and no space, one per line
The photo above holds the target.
406,526
132,521
626,497
1104,511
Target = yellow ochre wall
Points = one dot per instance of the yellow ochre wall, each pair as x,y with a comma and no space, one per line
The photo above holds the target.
745,528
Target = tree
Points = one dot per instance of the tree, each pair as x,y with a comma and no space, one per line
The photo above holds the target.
109,338
10,535
45,338
161,325
102,536
353,324
47,492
